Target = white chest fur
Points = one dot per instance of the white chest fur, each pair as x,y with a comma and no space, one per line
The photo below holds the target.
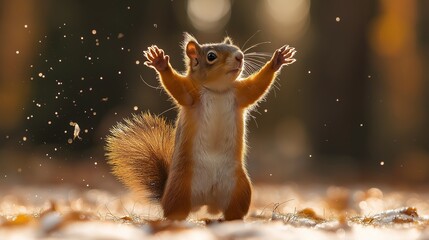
214,149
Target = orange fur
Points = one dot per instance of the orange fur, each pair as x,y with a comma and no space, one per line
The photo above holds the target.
240,199
205,164
179,87
140,152
253,88
176,200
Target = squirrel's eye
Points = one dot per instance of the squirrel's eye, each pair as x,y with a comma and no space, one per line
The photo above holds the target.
211,56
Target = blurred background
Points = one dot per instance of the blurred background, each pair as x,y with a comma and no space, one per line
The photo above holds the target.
352,109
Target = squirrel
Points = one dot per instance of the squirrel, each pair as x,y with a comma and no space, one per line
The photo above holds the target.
200,161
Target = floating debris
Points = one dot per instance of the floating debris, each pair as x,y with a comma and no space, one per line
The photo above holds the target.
76,130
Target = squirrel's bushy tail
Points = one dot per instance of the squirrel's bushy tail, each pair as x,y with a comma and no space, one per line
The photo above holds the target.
140,151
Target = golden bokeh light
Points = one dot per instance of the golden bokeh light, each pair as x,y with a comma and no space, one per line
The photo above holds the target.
293,15
209,15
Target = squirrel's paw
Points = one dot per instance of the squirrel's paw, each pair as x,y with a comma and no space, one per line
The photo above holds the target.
156,58
283,56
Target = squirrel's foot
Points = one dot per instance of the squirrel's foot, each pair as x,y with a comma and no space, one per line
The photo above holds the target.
156,58
283,56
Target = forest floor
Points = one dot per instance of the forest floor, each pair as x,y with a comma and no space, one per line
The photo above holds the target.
288,211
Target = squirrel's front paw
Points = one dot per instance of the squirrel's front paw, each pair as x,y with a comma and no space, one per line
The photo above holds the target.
283,56
156,58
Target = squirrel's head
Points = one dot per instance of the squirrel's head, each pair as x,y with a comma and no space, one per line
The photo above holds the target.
214,65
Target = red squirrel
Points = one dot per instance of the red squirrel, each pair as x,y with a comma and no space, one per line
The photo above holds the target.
200,161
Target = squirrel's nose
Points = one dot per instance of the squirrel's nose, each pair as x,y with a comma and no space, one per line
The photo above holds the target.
239,56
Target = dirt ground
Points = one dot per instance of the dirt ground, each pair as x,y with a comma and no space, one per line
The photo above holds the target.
278,212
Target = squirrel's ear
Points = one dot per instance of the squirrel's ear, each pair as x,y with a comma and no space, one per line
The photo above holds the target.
191,46
192,49
227,40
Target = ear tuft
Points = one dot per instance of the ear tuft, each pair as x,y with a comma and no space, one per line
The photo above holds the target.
188,38
227,40
190,45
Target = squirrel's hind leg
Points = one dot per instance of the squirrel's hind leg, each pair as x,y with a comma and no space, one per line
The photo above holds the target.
176,200
240,198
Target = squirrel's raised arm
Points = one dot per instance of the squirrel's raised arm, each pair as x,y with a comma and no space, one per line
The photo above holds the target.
253,88
177,86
